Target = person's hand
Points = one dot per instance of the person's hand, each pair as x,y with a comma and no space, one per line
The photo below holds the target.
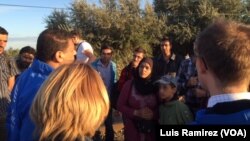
199,93
193,81
145,113
117,113
182,99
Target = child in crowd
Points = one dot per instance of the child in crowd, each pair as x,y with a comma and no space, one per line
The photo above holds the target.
172,111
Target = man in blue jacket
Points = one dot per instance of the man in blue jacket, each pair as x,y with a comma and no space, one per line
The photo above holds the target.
223,65
107,70
54,48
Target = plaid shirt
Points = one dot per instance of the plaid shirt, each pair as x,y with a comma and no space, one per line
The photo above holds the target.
186,71
7,70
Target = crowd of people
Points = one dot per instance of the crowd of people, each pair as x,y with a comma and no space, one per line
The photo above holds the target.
61,91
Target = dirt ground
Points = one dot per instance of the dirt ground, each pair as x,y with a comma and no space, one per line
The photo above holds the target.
117,125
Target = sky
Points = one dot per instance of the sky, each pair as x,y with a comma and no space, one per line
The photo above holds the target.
24,24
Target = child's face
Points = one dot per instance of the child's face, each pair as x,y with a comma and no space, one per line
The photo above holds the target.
166,92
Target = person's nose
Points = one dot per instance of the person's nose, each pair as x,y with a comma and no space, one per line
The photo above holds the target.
136,58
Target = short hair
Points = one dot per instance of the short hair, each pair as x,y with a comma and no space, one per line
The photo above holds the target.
166,38
63,110
50,41
140,50
27,49
76,32
225,48
106,46
3,31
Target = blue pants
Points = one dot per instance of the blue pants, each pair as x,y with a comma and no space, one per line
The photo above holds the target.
109,131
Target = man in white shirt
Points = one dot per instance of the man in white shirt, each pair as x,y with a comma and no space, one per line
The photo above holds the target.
84,50
223,64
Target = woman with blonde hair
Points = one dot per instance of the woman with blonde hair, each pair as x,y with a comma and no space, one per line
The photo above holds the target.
71,104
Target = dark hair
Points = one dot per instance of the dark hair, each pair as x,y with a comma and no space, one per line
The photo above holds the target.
76,32
140,50
190,50
27,49
106,46
49,42
3,31
176,95
165,39
224,47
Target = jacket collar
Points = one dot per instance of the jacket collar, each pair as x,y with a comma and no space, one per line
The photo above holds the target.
161,58
41,67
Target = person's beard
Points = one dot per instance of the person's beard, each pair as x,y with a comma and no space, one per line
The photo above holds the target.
23,65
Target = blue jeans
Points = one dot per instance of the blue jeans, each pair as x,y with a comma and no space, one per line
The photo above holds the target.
109,131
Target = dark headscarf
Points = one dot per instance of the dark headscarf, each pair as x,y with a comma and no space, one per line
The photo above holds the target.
144,85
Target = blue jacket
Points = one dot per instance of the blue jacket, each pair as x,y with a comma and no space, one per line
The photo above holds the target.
113,71
241,117
19,124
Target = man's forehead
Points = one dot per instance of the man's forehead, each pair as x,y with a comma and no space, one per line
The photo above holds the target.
138,53
107,50
27,54
165,42
2,36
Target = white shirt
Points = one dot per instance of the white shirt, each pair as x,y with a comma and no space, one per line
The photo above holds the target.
213,100
83,46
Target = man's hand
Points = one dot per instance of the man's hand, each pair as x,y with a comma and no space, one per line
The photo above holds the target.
11,83
193,81
182,99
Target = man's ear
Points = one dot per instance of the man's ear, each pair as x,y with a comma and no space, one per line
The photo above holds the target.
174,89
74,39
59,56
200,65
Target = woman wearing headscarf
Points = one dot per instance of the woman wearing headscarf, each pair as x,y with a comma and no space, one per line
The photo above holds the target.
138,105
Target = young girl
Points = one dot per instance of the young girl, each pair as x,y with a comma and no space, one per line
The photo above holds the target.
172,111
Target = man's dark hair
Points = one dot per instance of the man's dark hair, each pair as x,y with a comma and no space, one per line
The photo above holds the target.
3,31
140,50
166,38
76,32
224,47
106,46
27,49
49,42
